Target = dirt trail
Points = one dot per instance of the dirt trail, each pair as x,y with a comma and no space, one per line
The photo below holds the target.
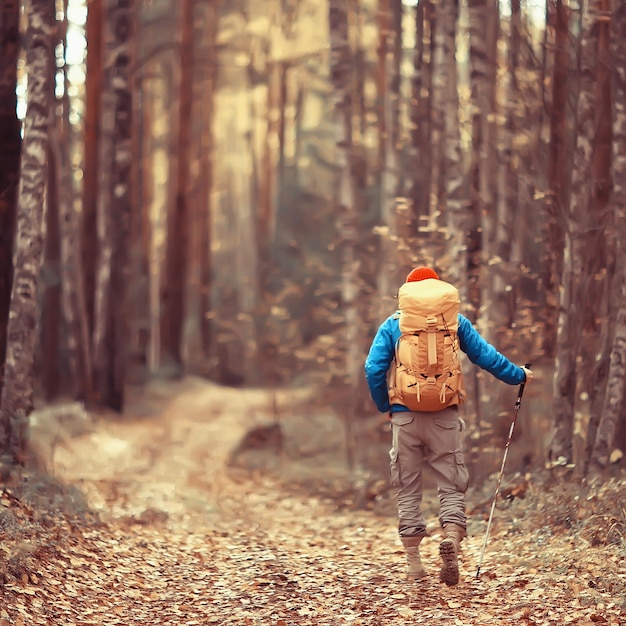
184,542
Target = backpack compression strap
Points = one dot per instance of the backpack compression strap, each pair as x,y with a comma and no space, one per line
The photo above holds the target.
431,334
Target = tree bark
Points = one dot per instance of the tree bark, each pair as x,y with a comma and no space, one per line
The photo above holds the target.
177,254
16,402
50,361
613,409
502,275
91,158
76,323
341,79
110,338
582,231
10,147
557,170
420,113
454,180
484,26
206,169
389,160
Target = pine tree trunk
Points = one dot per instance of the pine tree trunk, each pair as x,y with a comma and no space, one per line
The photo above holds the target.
16,402
10,146
114,211
613,410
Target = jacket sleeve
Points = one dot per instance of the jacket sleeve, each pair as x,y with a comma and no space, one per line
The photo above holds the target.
377,364
486,356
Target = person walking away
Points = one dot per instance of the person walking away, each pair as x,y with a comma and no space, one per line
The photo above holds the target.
413,373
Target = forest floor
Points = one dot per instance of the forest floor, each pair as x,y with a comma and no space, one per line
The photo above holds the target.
143,520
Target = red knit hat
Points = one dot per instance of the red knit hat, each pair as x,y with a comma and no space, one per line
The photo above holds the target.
420,273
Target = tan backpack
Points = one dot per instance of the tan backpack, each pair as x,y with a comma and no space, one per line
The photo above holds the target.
426,374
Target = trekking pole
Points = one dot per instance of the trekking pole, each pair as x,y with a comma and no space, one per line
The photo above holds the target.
518,403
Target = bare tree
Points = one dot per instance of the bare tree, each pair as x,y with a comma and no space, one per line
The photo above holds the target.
10,146
16,402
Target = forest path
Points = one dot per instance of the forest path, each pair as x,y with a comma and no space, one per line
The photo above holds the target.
184,542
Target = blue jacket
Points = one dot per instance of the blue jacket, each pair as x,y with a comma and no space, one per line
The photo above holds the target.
479,352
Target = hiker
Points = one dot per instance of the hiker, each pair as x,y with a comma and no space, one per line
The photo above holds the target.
413,373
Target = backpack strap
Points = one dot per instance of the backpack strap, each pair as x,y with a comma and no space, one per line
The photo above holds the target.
431,334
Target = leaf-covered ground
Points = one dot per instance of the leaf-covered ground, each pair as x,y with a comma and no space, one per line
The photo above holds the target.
152,528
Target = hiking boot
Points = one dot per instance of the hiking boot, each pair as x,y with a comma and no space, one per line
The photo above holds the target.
412,547
449,551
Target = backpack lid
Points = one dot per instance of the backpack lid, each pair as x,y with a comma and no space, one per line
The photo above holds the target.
428,304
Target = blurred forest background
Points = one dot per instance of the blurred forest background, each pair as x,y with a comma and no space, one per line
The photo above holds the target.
236,189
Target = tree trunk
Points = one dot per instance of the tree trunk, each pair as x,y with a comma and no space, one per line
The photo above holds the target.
206,169
110,340
341,79
435,191
502,275
91,158
613,410
50,362
454,180
10,146
420,113
139,247
388,96
528,145
177,254
558,171
483,24
76,323
483,29
454,196
581,225
16,402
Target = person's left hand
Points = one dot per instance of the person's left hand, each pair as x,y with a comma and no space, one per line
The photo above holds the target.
529,374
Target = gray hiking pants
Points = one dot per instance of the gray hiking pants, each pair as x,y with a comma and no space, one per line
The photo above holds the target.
436,439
